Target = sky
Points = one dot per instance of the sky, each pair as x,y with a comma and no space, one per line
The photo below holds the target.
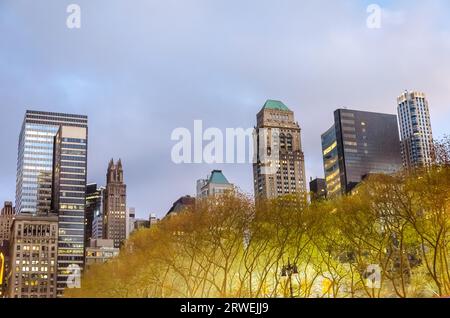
140,69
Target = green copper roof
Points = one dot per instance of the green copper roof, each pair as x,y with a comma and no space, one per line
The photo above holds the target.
218,177
275,104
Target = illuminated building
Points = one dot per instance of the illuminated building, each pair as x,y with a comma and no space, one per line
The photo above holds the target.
69,198
35,159
359,144
33,257
115,205
94,212
100,251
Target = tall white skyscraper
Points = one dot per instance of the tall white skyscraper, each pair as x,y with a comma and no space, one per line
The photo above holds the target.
415,129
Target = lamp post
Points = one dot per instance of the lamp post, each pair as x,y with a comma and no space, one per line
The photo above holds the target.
288,271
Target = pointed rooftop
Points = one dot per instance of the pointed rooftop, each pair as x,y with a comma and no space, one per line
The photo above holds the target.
218,177
275,104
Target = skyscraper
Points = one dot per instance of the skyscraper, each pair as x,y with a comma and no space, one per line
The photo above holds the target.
215,184
69,198
115,206
35,158
283,133
94,212
358,144
415,129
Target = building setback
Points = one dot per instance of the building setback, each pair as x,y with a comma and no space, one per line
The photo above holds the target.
283,133
115,209
33,248
35,158
358,144
69,198
415,129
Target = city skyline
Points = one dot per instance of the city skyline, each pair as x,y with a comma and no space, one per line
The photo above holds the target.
114,92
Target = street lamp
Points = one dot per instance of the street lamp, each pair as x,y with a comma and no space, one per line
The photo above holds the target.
288,271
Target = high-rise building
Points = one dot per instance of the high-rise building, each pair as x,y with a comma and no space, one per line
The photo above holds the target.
35,158
215,184
6,219
415,129
69,198
115,199
281,133
358,144
318,189
33,255
94,211
131,217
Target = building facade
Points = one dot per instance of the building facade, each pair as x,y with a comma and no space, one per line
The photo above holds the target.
94,212
33,257
6,219
115,208
359,144
415,129
277,131
100,251
69,198
331,162
131,217
318,189
215,184
181,204
35,158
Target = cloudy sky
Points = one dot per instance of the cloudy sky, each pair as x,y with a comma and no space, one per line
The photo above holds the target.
141,68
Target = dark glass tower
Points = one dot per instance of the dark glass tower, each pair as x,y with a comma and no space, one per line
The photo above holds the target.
69,199
359,144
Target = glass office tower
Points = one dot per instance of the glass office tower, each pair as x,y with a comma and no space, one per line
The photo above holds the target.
69,200
331,162
359,144
35,159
